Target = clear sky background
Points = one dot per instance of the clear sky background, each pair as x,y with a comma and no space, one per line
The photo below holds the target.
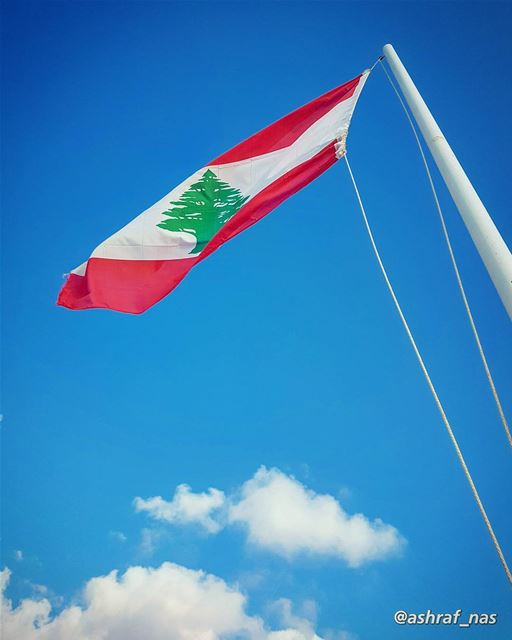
282,349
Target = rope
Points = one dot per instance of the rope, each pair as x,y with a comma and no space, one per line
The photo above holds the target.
454,262
379,59
428,379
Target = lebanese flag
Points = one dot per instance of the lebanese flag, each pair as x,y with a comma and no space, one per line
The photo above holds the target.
140,264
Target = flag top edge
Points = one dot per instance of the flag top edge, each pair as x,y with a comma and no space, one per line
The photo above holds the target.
285,131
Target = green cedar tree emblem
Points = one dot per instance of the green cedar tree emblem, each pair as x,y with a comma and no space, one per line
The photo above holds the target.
203,209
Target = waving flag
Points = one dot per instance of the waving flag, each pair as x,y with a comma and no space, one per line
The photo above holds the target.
140,264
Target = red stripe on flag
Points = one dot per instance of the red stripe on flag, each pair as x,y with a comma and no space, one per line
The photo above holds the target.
285,131
132,286
272,196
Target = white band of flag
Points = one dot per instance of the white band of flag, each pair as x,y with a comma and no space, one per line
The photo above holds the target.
146,259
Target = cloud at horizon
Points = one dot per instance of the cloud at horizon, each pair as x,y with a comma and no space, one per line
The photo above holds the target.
153,603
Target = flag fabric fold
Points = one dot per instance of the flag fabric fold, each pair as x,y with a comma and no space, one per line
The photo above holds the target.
145,260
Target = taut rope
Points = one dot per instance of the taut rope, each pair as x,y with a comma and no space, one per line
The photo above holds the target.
453,260
429,380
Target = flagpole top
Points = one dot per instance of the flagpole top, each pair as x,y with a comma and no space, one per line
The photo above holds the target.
491,246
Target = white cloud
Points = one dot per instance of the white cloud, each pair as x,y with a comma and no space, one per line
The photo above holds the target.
186,507
118,535
18,555
299,627
39,589
283,516
19,623
155,604
149,541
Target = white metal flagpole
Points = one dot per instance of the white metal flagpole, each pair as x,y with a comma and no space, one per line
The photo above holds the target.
491,246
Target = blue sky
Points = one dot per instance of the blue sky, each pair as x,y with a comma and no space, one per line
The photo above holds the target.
283,349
